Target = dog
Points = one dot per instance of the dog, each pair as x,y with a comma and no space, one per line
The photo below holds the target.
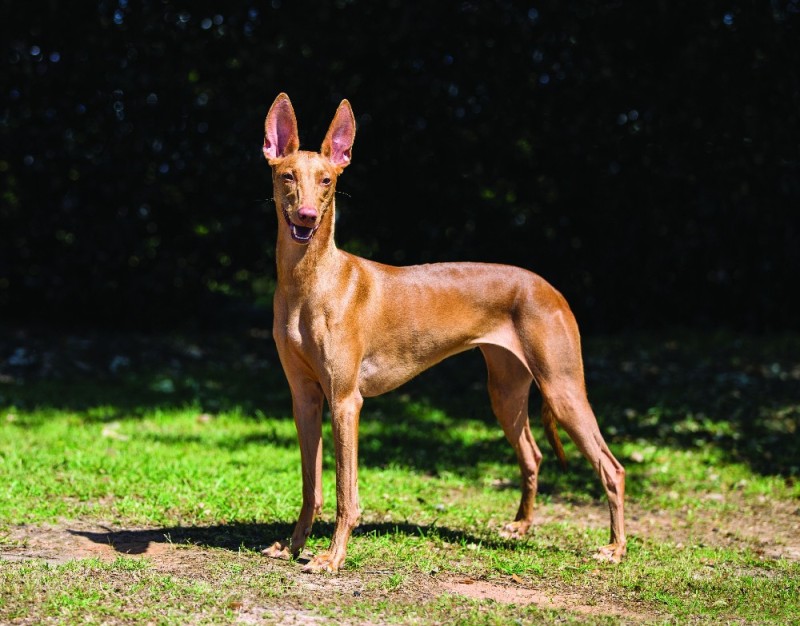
347,328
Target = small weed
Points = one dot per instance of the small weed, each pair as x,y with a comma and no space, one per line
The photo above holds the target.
394,582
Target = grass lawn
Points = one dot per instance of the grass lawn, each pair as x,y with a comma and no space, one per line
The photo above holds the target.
141,476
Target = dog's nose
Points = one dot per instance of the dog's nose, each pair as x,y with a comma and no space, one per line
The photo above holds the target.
307,214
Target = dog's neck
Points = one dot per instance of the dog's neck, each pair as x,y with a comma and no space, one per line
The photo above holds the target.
303,265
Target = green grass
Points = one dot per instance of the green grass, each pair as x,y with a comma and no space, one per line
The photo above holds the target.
203,453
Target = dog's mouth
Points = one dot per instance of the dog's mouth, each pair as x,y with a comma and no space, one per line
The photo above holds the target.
300,234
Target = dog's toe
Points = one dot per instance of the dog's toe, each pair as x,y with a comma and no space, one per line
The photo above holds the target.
611,553
321,563
278,550
515,530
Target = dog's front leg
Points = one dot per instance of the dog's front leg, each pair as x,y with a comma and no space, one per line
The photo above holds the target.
307,400
345,411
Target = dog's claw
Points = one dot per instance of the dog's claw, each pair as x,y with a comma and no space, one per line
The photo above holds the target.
515,530
323,562
278,550
611,553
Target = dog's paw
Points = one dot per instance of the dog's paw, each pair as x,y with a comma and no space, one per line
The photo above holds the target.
612,553
324,562
278,550
515,530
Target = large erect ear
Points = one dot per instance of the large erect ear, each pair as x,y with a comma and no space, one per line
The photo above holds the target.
338,144
280,129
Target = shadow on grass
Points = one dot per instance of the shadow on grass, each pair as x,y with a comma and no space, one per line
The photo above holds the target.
737,394
740,395
257,536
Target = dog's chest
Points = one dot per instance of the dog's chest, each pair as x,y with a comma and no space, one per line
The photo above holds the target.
293,333
303,328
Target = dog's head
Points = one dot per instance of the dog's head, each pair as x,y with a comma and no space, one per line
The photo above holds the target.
304,182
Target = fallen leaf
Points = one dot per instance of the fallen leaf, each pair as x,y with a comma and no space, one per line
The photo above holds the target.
516,579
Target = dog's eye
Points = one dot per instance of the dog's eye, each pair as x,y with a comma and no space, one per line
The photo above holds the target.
288,177
326,180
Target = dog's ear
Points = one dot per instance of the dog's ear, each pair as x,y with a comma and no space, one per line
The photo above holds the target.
280,129
338,144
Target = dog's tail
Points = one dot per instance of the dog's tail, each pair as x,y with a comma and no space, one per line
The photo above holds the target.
551,430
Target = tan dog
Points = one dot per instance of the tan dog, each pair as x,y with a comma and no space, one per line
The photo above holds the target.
347,328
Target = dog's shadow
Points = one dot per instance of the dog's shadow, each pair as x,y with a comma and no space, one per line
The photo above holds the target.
254,537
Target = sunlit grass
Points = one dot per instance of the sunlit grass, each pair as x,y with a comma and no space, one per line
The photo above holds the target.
437,479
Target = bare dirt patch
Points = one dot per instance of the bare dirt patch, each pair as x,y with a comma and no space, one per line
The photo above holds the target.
770,528
520,594
59,543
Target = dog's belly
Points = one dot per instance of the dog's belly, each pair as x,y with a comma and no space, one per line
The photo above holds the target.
380,373
384,368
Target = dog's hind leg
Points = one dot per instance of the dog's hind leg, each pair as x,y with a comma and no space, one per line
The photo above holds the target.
559,374
551,343
509,387
572,410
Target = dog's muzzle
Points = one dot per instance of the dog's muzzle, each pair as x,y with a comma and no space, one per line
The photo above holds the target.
300,234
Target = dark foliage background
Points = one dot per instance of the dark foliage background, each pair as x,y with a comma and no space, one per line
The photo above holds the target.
642,156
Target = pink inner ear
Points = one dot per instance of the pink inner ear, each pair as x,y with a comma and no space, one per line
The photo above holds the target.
342,144
341,147
280,132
